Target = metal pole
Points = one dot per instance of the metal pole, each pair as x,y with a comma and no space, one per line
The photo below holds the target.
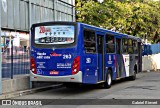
55,10
30,14
72,9
11,58
30,24
74,5
0,55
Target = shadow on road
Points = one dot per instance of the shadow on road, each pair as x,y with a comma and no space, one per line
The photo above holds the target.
85,88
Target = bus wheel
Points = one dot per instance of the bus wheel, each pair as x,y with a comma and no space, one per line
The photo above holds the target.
108,82
133,77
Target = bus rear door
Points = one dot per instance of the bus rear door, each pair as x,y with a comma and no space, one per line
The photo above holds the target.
101,56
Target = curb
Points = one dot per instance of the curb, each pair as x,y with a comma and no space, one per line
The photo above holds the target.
30,91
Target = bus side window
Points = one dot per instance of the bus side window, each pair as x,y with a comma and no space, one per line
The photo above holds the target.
110,44
125,45
89,41
130,46
135,46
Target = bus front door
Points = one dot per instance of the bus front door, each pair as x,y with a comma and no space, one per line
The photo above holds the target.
101,54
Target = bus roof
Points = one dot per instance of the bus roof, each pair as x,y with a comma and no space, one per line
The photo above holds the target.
110,32
88,26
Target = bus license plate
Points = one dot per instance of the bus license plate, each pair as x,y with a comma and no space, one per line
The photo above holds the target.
54,72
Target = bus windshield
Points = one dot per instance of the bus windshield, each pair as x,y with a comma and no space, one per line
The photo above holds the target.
56,34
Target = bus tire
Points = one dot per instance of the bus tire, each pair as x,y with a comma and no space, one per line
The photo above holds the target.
133,77
108,81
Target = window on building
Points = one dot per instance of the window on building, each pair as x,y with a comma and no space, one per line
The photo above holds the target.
89,41
110,44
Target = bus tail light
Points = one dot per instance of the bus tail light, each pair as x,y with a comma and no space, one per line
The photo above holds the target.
33,65
76,65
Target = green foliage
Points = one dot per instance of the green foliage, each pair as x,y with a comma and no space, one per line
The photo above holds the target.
133,17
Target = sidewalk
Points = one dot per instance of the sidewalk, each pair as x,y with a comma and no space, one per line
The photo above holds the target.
20,85
29,91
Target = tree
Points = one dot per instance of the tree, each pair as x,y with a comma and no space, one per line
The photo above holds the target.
134,17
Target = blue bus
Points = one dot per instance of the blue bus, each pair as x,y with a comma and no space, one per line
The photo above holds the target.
78,53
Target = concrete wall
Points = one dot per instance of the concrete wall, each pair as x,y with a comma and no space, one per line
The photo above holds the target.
151,62
22,83
16,84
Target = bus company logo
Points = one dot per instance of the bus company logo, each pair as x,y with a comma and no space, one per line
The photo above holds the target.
55,54
44,30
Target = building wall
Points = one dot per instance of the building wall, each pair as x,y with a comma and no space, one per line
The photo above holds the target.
18,15
15,13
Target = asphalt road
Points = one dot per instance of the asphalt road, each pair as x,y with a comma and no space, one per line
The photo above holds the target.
146,86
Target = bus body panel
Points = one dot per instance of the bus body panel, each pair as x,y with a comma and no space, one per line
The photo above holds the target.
59,60
89,61
110,60
77,78
133,63
100,68
89,64
126,64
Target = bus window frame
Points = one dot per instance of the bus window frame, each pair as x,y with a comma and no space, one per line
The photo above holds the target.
87,29
112,44
49,46
130,46
133,40
124,44
136,45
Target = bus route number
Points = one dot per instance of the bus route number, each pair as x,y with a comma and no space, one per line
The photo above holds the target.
67,56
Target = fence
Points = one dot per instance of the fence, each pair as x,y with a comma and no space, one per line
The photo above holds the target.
15,61
151,49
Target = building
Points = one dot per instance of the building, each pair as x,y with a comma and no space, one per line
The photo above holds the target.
18,15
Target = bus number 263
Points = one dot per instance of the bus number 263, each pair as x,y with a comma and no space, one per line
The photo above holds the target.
67,56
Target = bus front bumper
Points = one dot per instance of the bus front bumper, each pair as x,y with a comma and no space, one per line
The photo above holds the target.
77,78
